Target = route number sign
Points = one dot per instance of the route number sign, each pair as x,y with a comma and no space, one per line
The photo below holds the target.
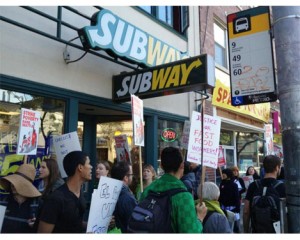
252,77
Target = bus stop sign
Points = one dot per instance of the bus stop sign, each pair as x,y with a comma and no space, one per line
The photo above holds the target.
252,76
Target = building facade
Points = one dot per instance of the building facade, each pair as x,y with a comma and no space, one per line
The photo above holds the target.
45,66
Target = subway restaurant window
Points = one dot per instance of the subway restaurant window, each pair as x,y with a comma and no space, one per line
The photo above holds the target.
169,135
52,119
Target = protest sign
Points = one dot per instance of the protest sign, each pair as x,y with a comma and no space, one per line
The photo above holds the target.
221,157
28,132
137,120
122,149
269,139
211,137
103,204
64,144
247,181
185,134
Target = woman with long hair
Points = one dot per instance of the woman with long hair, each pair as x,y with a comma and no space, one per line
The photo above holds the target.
50,175
252,172
51,180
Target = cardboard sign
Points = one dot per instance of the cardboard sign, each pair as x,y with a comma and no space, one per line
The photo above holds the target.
28,132
121,147
103,204
137,120
212,126
64,144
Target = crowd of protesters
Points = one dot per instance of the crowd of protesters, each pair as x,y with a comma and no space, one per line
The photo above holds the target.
59,206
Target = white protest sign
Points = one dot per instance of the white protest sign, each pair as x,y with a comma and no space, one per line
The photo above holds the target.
185,134
137,120
2,214
211,137
64,144
103,204
28,132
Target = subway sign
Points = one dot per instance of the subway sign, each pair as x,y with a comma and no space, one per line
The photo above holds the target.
192,74
120,38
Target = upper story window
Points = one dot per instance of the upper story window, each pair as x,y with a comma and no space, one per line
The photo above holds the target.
220,36
174,16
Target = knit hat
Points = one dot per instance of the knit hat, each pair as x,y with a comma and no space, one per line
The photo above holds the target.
22,180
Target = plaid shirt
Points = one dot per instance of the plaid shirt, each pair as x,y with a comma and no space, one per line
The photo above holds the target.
184,217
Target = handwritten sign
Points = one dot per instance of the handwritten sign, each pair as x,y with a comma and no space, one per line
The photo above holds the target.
121,148
64,144
185,134
137,120
103,204
28,132
211,137
2,214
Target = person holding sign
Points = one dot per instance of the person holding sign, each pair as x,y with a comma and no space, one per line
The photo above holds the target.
22,201
63,210
229,195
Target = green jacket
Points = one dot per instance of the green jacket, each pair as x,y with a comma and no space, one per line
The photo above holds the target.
184,217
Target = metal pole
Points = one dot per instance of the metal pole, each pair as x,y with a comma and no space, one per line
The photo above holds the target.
286,26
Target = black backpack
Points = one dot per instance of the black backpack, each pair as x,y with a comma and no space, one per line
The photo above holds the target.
265,208
153,214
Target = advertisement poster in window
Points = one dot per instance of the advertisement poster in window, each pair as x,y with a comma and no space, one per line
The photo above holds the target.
122,149
137,120
28,132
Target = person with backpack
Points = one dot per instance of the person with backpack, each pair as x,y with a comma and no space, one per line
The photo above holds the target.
262,201
165,205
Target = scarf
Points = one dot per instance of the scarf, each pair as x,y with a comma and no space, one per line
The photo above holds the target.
213,206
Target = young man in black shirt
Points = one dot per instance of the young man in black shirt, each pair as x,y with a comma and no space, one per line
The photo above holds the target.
272,166
63,210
